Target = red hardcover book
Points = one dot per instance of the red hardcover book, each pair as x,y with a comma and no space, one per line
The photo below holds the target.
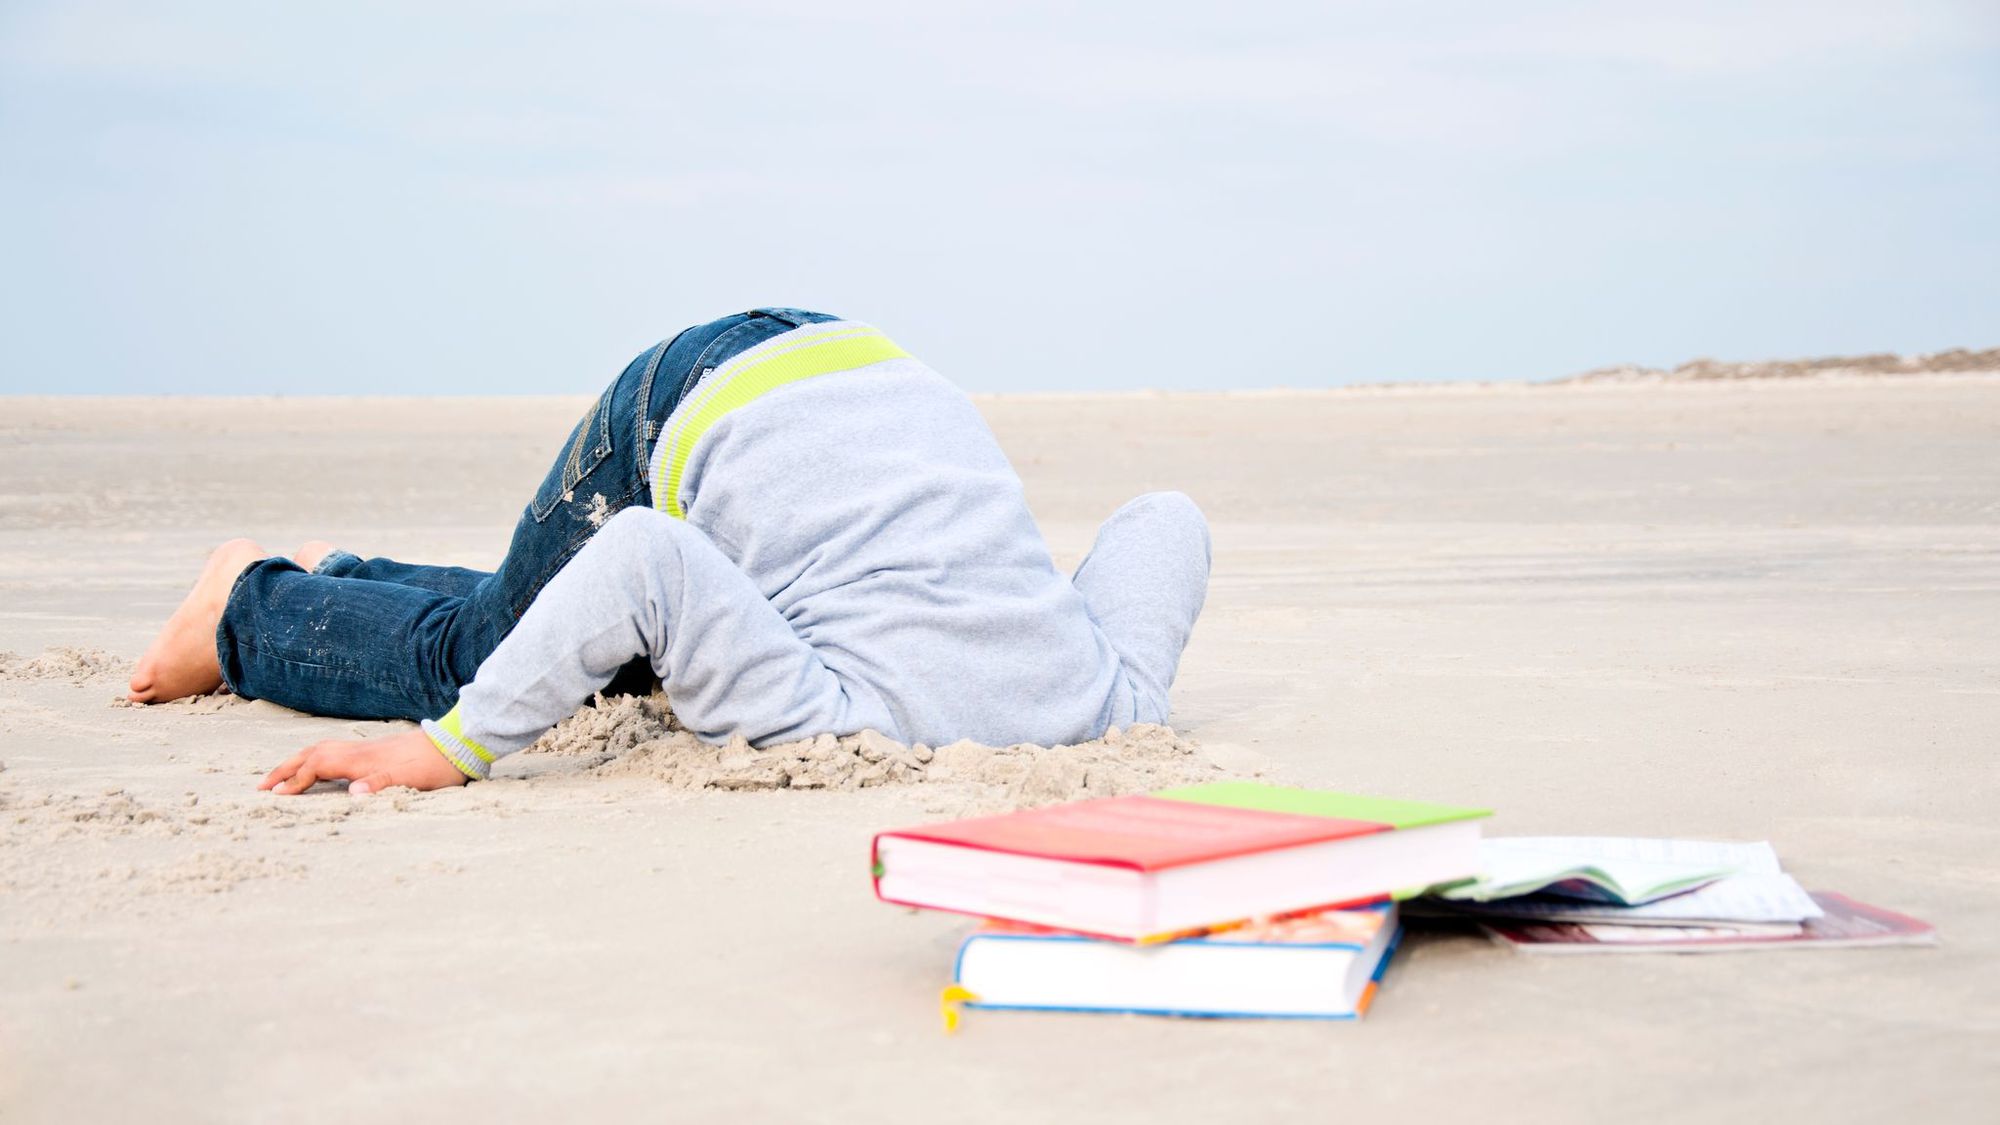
1150,868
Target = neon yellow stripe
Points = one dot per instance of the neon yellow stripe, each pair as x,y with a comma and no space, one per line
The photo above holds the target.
821,355
671,441
779,346
454,725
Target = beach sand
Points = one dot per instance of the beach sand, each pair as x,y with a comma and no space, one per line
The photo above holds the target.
1737,610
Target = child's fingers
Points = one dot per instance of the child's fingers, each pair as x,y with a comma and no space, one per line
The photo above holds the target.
320,760
342,759
299,782
328,761
285,769
373,783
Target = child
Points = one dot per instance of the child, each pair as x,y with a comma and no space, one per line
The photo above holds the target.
834,542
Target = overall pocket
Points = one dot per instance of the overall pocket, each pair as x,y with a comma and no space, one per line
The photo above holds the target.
589,446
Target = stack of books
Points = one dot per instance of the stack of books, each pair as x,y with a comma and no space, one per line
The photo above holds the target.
1229,899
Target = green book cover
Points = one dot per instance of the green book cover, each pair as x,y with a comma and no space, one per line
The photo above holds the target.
1320,802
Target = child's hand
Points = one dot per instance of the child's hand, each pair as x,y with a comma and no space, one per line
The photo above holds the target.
400,759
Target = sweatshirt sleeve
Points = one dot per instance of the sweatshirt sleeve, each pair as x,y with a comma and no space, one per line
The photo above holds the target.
646,585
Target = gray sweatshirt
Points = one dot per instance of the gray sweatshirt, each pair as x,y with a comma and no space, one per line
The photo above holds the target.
839,544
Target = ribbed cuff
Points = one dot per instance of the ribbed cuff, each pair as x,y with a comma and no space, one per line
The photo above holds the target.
448,735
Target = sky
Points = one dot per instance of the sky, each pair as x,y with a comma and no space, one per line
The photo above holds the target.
507,198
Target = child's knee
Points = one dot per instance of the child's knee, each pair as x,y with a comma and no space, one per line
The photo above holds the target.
1173,515
1176,507
631,530
629,520
629,541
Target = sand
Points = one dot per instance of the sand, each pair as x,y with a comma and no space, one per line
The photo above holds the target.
638,737
1718,608
63,662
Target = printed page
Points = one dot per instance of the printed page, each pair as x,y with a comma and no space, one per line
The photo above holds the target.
1746,897
1637,868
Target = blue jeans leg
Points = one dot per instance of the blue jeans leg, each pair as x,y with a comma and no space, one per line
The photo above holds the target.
457,581
394,640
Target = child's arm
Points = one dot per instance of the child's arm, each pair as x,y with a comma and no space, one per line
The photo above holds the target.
645,585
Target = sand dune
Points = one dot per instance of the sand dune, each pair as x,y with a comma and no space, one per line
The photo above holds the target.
1953,361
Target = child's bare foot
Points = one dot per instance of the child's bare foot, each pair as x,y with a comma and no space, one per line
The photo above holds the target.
181,660
311,553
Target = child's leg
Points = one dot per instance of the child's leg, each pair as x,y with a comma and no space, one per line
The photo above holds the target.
349,647
383,639
635,678
1144,581
457,581
295,636
278,617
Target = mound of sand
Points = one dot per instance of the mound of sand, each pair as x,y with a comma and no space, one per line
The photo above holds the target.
637,736
63,663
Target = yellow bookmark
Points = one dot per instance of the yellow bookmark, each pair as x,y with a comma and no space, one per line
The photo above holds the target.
949,1001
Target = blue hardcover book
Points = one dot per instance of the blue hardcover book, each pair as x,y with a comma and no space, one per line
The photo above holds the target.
1324,965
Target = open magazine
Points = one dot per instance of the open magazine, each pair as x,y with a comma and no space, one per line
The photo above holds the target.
1842,923
1734,884
1624,871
